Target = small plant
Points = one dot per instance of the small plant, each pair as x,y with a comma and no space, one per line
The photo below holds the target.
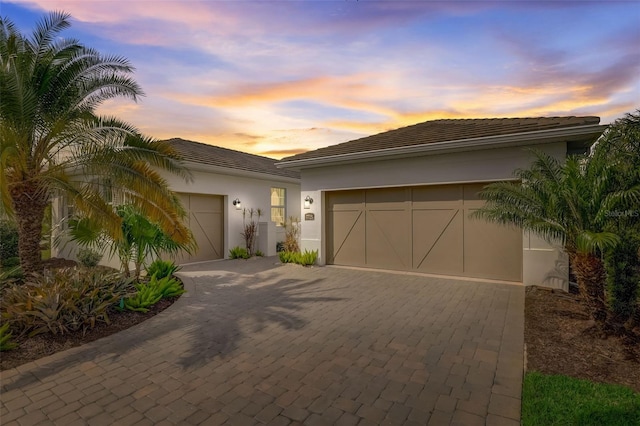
5,338
89,257
146,296
307,258
292,233
162,268
259,253
250,233
238,253
167,287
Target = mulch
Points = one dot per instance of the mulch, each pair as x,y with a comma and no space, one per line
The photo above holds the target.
561,338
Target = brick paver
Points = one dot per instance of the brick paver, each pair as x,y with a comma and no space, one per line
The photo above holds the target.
255,342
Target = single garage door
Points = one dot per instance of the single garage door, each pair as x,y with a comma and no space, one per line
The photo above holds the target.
206,221
422,229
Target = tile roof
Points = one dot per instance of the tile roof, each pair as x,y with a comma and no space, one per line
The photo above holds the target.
443,131
202,153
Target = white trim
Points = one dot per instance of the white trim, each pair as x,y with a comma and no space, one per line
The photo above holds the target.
469,144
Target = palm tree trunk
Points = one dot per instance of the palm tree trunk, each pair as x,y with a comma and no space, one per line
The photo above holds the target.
29,204
591,276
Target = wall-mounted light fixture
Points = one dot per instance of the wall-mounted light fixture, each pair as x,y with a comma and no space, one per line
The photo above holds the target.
307,202
236,203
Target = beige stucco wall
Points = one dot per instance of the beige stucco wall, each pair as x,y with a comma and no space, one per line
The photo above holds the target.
540,259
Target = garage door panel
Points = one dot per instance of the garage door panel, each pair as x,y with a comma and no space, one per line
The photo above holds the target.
492,250
346,200
386,198
437,196
437,241
348,237
206,221
388,239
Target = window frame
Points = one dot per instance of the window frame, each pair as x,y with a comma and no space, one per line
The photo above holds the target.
282,206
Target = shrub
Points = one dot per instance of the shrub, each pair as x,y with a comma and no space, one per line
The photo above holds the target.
148,294
10,262
5,338
167,287
623,276
292,233
63,301
145,297
162,268
8,241
250,233
305,259
259,253
89,257
238,253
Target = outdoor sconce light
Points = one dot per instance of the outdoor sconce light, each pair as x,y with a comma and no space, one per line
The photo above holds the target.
307,202
236,203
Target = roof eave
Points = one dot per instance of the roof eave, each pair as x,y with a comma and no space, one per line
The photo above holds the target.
592,131
208,168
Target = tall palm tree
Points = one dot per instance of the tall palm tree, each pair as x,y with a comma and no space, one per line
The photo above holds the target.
53,143
568,202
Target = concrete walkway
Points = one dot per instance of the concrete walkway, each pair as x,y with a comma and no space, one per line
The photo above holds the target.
255,342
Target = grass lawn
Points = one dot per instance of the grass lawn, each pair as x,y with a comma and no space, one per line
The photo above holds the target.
561,400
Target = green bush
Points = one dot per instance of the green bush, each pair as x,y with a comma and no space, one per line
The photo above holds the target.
623,276
5,338
238,253
62,301
89,257
148,294
167,287
145,297
307,258
8,241
162,268
259,253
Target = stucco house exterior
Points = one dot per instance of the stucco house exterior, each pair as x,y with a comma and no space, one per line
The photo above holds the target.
221,177
401,199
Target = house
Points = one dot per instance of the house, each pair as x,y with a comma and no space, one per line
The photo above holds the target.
401,199
224,183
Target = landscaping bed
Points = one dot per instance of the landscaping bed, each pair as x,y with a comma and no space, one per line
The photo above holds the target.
561,339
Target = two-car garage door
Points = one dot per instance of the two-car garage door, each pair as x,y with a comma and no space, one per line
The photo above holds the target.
422,229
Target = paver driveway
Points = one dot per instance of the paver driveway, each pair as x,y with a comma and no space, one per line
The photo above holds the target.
254,342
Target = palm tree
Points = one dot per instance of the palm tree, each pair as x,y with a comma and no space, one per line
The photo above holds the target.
53,143
568,202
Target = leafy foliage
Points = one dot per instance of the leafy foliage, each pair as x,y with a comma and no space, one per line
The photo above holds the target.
8,241
307,258
53,142
5,338
572,202
148,294
63,301
162,268
239,253
140,239
259,253
89,257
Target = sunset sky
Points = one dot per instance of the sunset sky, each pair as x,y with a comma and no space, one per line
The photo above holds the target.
278,78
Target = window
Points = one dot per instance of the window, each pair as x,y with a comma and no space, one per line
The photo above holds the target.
278,203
